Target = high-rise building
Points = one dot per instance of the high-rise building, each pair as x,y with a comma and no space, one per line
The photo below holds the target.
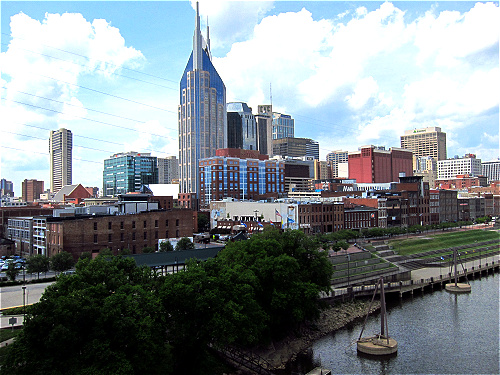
373,164
264,120
296,147
335,158
491,169
202,111
425,142
6,188
32,190
283,126
451,168
168,170
240,174
61,158
128,172
241,127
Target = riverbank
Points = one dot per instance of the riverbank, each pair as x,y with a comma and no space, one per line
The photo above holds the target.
334,317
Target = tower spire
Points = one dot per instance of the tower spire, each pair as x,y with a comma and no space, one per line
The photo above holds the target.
197,44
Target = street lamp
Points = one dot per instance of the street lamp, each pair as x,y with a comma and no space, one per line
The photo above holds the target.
348,274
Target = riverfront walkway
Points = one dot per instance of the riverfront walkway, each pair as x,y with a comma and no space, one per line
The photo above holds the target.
425,278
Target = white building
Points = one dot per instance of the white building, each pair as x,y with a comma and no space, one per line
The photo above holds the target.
491,169
468,165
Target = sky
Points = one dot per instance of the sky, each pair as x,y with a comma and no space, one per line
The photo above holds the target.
349,73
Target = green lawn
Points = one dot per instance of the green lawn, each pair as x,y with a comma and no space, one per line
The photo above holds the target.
434,241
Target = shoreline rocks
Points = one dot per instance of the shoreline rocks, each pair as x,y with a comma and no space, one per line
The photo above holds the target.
334,317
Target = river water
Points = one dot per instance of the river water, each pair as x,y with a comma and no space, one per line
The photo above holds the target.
437,333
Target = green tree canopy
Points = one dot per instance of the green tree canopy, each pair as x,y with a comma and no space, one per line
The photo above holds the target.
165,246
104,319
61,261
184,244
38,263
12,271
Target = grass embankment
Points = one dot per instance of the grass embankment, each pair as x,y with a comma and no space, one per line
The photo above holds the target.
441,241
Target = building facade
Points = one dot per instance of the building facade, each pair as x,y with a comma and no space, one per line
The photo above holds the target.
241,127
335,158
6,188
264,121
230,175
283,126
451,168
491,169
61,158
373,164
425,142
127,172
32,190
168,170
296,147
201,112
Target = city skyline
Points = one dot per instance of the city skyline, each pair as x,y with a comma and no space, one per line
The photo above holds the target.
395,67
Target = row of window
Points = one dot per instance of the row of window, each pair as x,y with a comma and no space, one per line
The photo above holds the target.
134,236
145,224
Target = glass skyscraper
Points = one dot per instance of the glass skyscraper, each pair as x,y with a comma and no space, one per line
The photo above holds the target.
127,172
202,111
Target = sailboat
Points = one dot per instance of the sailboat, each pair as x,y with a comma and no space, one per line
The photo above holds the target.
380,344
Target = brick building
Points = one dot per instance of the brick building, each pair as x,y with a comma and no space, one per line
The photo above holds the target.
117,232
360,217
321,217
373,164
31,190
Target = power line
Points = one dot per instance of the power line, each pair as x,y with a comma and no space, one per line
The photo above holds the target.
88,119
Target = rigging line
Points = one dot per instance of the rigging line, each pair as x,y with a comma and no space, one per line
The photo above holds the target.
86,57
94,139
88,109
105,93
44,139
100,69
46,153
88,119
74,135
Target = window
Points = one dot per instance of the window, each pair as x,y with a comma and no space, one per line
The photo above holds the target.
156,223
145,235
121,236
121,224
166,223
145,224
166,234
110,237
177,222
133,224
133,236
95,226
95,237
109,224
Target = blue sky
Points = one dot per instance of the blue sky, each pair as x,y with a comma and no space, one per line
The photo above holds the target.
350,73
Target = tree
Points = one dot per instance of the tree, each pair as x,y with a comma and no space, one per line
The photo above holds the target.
166,246
184,244
86,255
12,271
37,264
106,318
61,262
148,249
203,223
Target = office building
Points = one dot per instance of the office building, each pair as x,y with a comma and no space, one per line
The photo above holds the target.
240,174
283,126
6,188
371,164
425,142
128,172
61,156
296,147
335,158
241,127
202,111
426,167
491,169
168,170
264,121
468,165
32,190
322,170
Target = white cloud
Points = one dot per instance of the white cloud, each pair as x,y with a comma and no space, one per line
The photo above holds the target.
365,89
230,21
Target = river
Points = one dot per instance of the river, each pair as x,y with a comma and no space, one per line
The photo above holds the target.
437,333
